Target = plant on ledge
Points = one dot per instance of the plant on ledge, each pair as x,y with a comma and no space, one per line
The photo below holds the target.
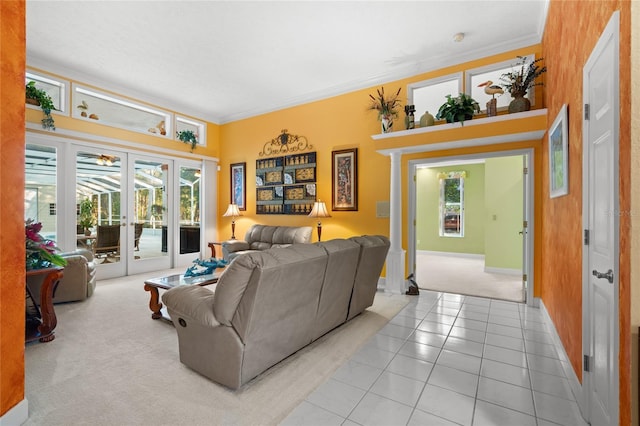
37,96
40,252
387,108
188,136
518,82
459,109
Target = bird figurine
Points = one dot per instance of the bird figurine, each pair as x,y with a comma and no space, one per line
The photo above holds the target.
491,89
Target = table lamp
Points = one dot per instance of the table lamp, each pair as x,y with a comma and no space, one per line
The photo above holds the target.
319,210
232,211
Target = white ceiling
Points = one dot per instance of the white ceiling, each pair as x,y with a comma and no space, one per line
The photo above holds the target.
225,60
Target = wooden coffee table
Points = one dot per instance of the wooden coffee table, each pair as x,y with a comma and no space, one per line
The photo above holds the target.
152,285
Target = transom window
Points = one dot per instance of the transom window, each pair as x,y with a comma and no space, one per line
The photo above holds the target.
429,95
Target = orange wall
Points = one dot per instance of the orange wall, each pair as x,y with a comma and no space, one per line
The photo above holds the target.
572,30
331,124
12,275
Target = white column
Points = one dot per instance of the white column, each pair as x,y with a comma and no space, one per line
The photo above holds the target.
395,282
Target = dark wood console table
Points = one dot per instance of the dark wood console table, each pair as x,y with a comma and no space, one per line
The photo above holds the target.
41,321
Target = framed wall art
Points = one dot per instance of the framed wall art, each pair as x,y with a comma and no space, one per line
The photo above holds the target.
286,184
559,155
239,185
344,180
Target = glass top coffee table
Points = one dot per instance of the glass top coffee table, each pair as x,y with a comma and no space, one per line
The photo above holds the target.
153,284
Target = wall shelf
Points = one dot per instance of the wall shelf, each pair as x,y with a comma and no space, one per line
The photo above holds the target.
529,125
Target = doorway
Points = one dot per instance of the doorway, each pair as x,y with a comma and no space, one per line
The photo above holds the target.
601,224
119,206
488,255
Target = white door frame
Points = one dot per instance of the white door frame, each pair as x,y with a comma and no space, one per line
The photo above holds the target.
611,32
527,267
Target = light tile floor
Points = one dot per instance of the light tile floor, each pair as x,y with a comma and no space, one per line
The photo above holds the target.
448,359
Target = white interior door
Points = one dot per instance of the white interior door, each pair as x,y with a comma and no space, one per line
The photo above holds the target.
600,217
526,205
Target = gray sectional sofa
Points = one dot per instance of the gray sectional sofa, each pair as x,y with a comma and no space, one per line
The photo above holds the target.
263,237
269,304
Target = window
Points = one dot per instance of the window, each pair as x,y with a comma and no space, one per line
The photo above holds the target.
110,110
492,73
196,127
451,204
429,95
57,89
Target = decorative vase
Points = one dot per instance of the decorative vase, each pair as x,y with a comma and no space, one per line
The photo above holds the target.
519,103
426,120
387,123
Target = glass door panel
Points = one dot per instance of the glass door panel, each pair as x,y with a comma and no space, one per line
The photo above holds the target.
150,226
40,201
189,210
100,219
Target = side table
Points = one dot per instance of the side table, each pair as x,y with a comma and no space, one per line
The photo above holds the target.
212,246
42,321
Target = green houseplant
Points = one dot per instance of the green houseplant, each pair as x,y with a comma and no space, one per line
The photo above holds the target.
520,80
37,96
86,218
459,109
188,136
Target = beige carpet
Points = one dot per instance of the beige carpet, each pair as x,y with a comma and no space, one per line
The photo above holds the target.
463,275
111,364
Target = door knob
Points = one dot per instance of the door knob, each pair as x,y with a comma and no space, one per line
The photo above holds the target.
606,275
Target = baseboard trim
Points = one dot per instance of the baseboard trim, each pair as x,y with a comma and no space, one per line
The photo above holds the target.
576,386
503,271
16,415
451,254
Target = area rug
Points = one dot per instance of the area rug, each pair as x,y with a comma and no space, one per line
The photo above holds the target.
111,364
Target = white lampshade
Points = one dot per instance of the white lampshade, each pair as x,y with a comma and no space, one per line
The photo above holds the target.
232,210
319,210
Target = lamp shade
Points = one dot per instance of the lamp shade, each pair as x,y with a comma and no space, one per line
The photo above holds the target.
319,210
232,210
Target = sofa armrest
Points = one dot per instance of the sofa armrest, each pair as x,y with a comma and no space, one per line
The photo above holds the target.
235,245
193,302
232,246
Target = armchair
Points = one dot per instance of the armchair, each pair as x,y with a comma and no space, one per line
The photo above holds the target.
78,281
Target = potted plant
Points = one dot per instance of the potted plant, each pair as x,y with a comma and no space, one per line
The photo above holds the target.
387,108
37,96
40,252
519,81
86,219
188,136
459,109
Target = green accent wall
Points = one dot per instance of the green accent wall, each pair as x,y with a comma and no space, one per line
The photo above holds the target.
427,203
504,201
493,200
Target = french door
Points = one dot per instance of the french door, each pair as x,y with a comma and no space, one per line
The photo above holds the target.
137,213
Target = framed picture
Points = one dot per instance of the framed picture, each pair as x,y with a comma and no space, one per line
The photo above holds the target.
344,180
559,155
239,185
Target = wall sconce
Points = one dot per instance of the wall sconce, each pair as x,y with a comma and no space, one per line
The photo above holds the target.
319,210
232,211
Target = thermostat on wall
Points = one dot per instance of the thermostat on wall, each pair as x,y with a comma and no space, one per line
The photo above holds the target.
382,208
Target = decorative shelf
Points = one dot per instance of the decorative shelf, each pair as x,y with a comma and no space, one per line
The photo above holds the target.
529,125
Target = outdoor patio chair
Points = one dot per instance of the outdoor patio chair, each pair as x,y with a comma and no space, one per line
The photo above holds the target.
107,242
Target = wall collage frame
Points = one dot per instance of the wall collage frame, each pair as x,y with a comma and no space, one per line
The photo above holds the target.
286,184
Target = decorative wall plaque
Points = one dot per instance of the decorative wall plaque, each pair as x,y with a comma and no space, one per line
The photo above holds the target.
286,185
